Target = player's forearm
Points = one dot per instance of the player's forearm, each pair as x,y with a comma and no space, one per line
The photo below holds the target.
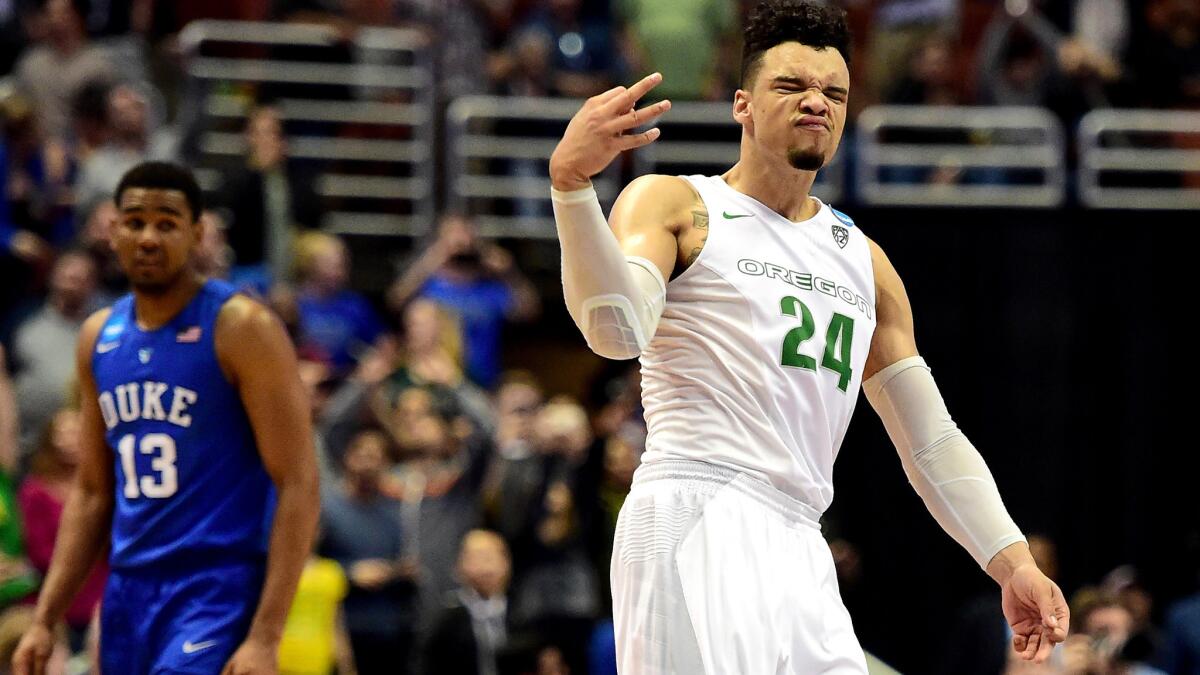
295,524
944,468
615,301
82,535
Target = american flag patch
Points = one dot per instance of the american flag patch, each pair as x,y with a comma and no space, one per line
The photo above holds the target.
190,335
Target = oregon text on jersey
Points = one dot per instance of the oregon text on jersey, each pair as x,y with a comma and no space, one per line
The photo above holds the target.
806,282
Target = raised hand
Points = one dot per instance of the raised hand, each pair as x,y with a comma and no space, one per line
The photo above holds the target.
597,133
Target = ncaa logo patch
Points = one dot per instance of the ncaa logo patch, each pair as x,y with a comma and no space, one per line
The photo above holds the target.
144,355
841,235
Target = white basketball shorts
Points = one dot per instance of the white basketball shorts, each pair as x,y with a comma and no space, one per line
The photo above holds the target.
717,573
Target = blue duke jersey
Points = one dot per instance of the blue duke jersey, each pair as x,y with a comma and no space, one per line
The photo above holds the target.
190,485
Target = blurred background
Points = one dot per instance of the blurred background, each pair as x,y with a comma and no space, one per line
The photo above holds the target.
376,171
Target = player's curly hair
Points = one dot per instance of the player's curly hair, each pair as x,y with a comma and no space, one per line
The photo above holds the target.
163,176
808,22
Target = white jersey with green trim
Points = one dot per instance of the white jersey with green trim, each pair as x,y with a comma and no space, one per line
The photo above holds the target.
757,362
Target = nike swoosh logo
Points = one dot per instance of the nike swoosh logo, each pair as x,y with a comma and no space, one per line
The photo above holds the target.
731,216
106,347
193,647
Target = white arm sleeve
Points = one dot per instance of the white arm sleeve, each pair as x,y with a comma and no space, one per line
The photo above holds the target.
615,300
942,465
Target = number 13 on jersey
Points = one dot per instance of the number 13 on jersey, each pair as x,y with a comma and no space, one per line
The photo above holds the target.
839,338
159,486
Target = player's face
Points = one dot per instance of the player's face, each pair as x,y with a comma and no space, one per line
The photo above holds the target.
796,105
153,237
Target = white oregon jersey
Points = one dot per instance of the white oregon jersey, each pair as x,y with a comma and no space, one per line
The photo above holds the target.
757,361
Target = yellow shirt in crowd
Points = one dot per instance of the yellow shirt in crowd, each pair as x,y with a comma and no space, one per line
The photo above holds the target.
307,647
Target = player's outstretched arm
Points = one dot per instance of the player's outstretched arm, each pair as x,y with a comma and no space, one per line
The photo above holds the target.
86,521
613,278
257,356
950,475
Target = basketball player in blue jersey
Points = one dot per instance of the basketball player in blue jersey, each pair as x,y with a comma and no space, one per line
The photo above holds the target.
197,468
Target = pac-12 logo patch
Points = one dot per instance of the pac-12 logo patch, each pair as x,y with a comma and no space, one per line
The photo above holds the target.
841,235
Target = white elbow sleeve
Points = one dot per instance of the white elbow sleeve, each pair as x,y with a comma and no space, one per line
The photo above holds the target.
615,300
942,465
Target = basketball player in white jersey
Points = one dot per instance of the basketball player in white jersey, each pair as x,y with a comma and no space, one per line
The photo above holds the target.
776,311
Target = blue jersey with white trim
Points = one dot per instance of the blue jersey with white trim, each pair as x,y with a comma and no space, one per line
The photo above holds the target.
189,480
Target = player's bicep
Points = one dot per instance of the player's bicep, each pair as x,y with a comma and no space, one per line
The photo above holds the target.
95,470
257,354
645,219
894,339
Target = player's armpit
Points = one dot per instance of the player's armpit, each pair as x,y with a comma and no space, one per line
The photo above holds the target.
893,340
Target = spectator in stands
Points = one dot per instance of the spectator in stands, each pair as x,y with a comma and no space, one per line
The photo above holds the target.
268,200
1167,60
364,532
94,240
17,577
89,121
132,139
340,321
1181,649
525,68
583,49
514,479
555,591
42,497
1027,60
432,354
1124,584
1102,642
930,78
44,374
51,72
472,629
899,28
479,282
460,42
622,455
35,214
347,407
213,257
12,35
439,484
681,40
315,640
319,382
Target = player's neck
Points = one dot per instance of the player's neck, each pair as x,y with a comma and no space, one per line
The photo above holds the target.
783,188
155,310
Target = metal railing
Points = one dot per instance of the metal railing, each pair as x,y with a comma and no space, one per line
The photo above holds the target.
497,162
960,156
1140,159
362,113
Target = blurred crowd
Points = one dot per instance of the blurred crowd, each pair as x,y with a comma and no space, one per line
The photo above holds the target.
467,511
